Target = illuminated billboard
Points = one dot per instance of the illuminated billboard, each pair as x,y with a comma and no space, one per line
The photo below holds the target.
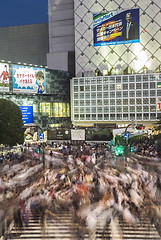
27,114
4,77
116,27
28,79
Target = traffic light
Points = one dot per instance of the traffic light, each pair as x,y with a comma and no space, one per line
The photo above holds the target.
38,150
131,149
119,150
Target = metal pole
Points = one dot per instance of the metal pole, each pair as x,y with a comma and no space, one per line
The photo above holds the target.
43,157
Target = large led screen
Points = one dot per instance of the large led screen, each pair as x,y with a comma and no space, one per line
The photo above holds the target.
4,77
116,27
28,79
27,114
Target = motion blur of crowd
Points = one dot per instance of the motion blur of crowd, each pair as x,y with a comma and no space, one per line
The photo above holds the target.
85,179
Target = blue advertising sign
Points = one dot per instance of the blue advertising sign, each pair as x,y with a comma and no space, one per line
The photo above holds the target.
28,79
27,114
41,135
117,27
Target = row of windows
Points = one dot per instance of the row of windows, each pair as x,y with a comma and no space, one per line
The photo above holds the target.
101,117
113,87
131,101
118,94
125,109
117,79
49,109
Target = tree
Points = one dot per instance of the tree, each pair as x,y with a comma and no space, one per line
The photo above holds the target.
10,123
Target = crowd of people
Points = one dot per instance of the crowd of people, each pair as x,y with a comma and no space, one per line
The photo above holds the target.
84,179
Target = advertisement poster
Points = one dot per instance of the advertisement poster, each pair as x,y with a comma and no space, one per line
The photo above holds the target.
27,114
78,134
159,105
116,27
28,79
4,77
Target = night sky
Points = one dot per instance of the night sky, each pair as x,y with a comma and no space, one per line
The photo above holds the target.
22,12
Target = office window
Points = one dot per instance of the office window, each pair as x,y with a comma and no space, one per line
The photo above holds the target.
93,94
75,88
112,116
125,116
87,102
145,93
75,102
125,78
118,102
118,79
81,110
99,109
105,95
112,87
152,93
88,116
81,102
145,77
81,88
87,110
112,101
153,108
138,93
99,87
105,80
138,101
119,109
138,85
145,100
106,116
145,85
99,94
152,101
132,94
112,109
93,109
82,117
87,95
93,88
125,86
145,116
87,88
82,95
75,95
119,116
93,81
152,85
99,116
112,94
99,101
153,116
132,86
132,116
138,108
106,109
105,88
138,78
125,108
159,93
75,81
131,79
118,94
125,93
132,108
145,108
93,102
99,80
125,101
132,101
139,116
76,116
76,110
105,101
93,116
87,81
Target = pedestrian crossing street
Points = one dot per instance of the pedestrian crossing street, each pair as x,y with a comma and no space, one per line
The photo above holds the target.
63,227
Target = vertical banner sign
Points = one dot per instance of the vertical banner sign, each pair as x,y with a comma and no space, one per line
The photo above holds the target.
116,27
28,79
159,105
4,77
